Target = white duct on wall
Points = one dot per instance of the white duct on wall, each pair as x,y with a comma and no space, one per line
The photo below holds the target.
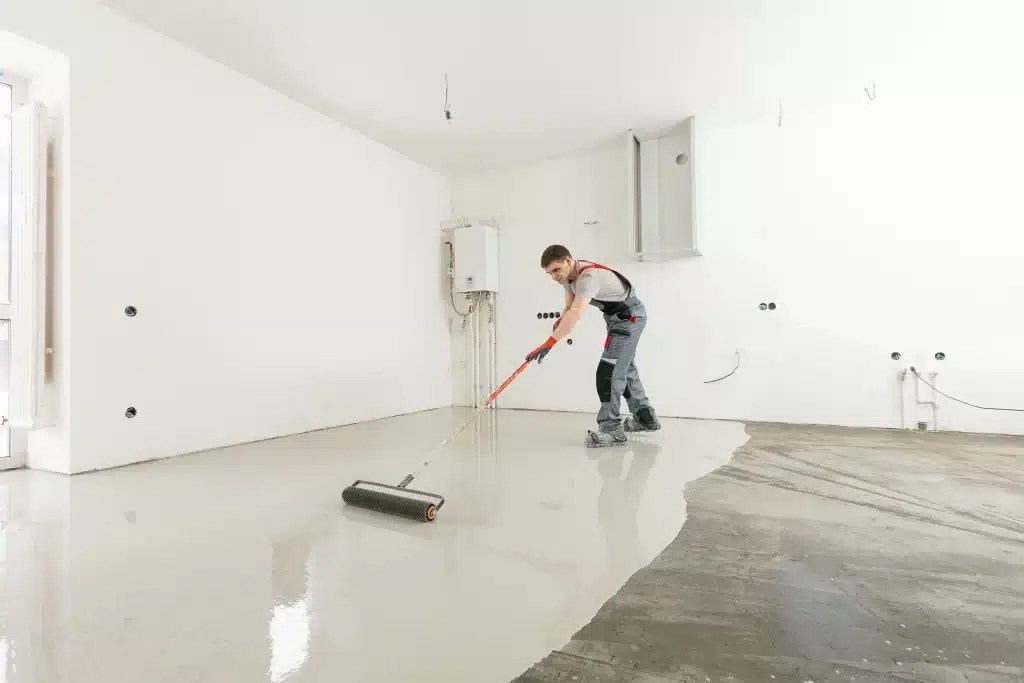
661,192
30,128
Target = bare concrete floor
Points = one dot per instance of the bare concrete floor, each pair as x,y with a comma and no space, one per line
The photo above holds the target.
822,554
244,565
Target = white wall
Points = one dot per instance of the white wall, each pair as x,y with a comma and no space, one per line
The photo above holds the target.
276,257
876,226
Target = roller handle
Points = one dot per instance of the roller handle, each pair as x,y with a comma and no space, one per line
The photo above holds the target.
490,399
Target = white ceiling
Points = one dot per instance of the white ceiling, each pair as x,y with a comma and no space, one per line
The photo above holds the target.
532,79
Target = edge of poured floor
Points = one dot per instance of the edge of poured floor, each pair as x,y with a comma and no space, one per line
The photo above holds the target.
827,554
242,564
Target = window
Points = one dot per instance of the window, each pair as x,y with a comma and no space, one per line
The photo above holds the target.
6,139
12,92
6,108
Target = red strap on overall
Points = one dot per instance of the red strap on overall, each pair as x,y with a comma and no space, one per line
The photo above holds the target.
590,265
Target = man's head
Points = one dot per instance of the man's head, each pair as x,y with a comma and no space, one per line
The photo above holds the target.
557,262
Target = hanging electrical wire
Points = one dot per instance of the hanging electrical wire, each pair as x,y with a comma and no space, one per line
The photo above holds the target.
451,292
953,398
712,381
451,281
447,109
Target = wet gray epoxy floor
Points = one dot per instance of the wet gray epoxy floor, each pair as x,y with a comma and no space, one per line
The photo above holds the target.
243,564
821,554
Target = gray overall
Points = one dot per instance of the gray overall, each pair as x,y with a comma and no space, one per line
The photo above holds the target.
617,374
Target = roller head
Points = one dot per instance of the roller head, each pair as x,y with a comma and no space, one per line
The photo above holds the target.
393,500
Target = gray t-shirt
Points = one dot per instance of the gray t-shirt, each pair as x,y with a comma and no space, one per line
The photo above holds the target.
597,283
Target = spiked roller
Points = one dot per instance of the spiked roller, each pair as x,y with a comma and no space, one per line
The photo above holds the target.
393,500
406,502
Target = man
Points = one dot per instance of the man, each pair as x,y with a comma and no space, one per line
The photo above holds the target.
625,317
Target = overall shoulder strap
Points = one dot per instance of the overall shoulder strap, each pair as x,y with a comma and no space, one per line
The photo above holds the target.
589,265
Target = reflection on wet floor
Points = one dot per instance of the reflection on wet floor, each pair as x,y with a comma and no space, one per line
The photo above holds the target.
244,565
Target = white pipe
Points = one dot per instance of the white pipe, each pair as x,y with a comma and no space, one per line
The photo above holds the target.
494,374
472,362
901,377
494,346
935,400
492,432
474,351
476,354
479,356
493,355
467,346
933,403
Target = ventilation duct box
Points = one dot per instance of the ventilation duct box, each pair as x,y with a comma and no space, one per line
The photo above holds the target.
662,210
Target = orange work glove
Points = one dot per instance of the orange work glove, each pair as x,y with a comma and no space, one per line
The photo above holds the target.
538,353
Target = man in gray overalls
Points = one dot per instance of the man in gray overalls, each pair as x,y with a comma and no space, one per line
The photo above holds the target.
625,317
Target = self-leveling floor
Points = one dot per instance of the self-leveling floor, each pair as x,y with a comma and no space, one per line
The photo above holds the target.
711,551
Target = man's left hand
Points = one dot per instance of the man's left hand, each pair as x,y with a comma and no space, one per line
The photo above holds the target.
538,353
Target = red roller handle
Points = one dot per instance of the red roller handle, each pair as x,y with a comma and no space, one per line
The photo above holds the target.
505,384
430,456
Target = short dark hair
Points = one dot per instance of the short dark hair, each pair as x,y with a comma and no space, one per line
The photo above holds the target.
556,252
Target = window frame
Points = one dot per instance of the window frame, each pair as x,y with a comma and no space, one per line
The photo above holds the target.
19,97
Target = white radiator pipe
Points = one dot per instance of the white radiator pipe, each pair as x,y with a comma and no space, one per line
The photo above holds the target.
30,126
